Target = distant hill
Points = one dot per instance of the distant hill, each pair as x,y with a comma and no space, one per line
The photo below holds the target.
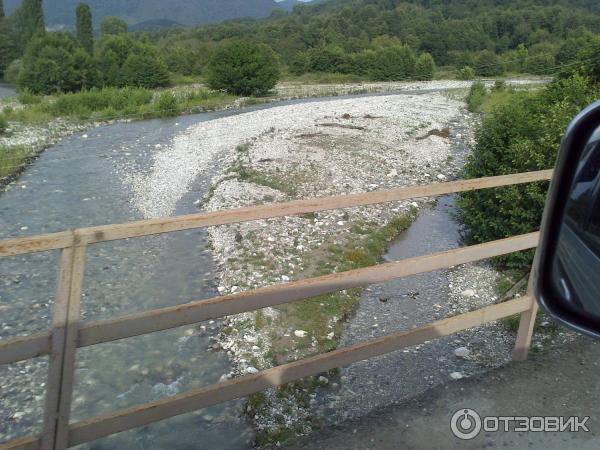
61,13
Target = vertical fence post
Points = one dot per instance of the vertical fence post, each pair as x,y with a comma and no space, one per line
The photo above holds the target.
526,324
65,327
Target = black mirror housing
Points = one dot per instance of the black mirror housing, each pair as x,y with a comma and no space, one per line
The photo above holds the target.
566,271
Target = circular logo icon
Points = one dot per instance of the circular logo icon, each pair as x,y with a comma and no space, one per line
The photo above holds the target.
465,424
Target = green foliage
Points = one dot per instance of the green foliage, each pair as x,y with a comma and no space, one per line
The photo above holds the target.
3,124
2,9
519,136
541,64
29,20
488,64
11,73
466,73
393,63
112,25
26,97
243,68
167,104
182,61
425,67
85,33
476,95
145,69
55,62
8,44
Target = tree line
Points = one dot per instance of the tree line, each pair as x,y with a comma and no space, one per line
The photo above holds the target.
479,37
48,62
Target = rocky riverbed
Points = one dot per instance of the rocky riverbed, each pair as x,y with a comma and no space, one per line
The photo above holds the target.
304,150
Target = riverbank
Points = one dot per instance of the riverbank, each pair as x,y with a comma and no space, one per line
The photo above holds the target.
303,151
36,123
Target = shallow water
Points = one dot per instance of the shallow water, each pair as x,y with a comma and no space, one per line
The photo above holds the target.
6,90
79,182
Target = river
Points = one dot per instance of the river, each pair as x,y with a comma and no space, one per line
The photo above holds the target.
80,182
6,90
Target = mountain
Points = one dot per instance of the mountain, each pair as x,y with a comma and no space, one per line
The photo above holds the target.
61,13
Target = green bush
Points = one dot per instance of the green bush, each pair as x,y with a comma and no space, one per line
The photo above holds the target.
26,97
3,125
488,64
424,67
466,73
393,63
242,68
145,70
54,62
499,86
519,136
167,104
476,95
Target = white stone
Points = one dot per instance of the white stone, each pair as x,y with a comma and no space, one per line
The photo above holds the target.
323,380
85,136
285,278
393,173
456,375
251,369
462,352
330,335
250,339
221,289
468,293
441,177
300,333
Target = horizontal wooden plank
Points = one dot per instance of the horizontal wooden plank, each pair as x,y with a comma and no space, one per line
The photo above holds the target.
125,419
39,243
169,224
24,347
189,313
26,443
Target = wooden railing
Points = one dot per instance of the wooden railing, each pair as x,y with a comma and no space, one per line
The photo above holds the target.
68,334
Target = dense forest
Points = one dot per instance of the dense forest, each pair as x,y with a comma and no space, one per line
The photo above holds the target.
368,39
343,36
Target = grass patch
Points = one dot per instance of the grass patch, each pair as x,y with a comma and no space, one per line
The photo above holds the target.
13,159
325,78
114,103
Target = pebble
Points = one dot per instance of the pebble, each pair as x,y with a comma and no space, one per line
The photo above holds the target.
300,333
468,293
251,369
462,352
456,376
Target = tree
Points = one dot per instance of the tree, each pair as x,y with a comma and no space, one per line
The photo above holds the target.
2,9
488,64
30,20
393,63
85,34
113,25
8,45
243,68
54,62
145,69
424,67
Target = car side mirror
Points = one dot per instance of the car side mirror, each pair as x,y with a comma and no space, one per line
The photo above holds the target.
567,268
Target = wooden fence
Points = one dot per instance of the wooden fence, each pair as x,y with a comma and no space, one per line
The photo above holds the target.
68,334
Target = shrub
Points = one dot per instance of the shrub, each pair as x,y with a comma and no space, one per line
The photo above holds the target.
519,136
3,124
26,97
55,62
167,104
476,95
243,68
424,67
466,73
488,64
499,86
145,70
393,63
